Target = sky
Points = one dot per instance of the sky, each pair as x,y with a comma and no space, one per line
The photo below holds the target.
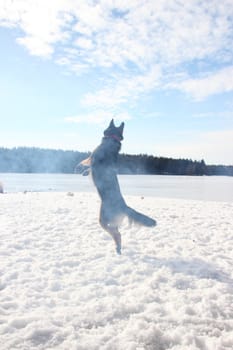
165,68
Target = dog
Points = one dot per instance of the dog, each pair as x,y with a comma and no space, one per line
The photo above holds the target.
103,167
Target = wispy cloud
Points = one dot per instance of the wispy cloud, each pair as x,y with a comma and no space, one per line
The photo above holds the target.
122,88
98,117
212,84
146,41
226,115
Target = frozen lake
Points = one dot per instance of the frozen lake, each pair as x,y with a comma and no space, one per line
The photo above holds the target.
215,188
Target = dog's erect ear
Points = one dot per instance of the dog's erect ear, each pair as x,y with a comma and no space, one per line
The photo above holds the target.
111,123
121,128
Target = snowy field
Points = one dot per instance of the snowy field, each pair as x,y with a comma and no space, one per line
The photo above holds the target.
63,287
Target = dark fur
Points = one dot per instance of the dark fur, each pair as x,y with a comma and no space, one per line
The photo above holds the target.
113,208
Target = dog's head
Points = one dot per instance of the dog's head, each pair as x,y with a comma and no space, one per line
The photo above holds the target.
114,132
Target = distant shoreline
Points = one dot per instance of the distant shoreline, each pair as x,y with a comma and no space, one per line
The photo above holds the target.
37,160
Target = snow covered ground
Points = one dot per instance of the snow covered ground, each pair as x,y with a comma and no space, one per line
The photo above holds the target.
63,287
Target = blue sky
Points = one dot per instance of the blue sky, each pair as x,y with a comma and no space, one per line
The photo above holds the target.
164,67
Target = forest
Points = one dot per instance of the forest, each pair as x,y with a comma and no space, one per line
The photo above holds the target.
37,160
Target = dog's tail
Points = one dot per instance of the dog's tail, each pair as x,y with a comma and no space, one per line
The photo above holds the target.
139,218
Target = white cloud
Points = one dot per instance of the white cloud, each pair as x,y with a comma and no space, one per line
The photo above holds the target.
146,32
36,46
141,36
84,43
122,88
201,88
42,23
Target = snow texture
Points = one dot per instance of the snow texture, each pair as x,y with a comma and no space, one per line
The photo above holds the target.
63,287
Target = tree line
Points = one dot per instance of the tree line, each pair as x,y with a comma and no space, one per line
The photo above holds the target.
37,160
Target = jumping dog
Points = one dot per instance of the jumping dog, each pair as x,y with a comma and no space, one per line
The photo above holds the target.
113,209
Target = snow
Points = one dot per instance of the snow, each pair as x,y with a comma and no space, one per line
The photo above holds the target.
63,287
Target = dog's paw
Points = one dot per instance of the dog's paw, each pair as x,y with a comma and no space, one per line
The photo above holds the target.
118,250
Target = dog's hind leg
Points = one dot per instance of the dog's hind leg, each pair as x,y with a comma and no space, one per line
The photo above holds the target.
115,234
116,237
109,223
